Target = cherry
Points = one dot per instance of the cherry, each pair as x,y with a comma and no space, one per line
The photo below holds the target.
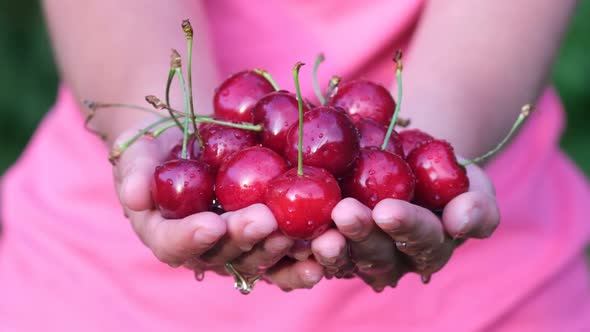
182,187
276,112
330,140
378,175
235,97
439,177
302,204
243,178
220,141
372,133
302,198
411,138
364,99
193,150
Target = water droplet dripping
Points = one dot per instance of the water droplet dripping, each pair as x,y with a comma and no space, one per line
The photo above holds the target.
401,245
426,278
200,276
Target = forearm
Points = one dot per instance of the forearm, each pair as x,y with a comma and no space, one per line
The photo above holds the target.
119,51
473,64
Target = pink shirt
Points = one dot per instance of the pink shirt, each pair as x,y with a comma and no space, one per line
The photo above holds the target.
69,260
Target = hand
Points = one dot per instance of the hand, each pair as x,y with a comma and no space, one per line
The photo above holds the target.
397,237
205,241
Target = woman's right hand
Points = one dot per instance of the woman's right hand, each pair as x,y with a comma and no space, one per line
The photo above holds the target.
205,241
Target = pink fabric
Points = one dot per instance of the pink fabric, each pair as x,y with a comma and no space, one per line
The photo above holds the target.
69,260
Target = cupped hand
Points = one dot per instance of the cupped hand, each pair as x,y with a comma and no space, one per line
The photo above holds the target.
205,241
398,237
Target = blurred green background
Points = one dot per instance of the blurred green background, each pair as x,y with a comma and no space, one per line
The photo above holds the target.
28,79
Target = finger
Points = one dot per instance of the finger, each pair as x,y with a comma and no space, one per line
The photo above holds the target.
135,166
176,241
418,228
245,228
301,250
353,219
474,214
330,250
264,255
378,261
134,172
417,231
291,274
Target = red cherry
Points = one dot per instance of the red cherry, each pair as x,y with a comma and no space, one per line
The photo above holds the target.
439,178
236,96
302,204
330,140
276,112
378,175
411,138
364,99
243,178
220,141
182,187
193,150
372,133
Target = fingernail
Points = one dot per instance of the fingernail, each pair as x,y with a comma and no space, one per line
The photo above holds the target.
470,217
301,256
256,230
246,247
310,279
364,266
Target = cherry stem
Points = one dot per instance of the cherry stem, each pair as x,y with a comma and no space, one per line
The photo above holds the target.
117,151
316,84
185,134
168,84
300,107
188,33
98,105
398,74
268,77
160,131
158,104
524,113
240,125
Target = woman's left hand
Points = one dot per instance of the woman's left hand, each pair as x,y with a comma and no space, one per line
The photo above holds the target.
398,237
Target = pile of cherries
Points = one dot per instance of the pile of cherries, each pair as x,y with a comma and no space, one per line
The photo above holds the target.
305,158
270,146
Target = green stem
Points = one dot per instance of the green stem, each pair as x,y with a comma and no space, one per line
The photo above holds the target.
300,107
117,151
185,135
97,105
241,125
160,131
316,84
268,77
524,113
398,74
189,42
168,84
